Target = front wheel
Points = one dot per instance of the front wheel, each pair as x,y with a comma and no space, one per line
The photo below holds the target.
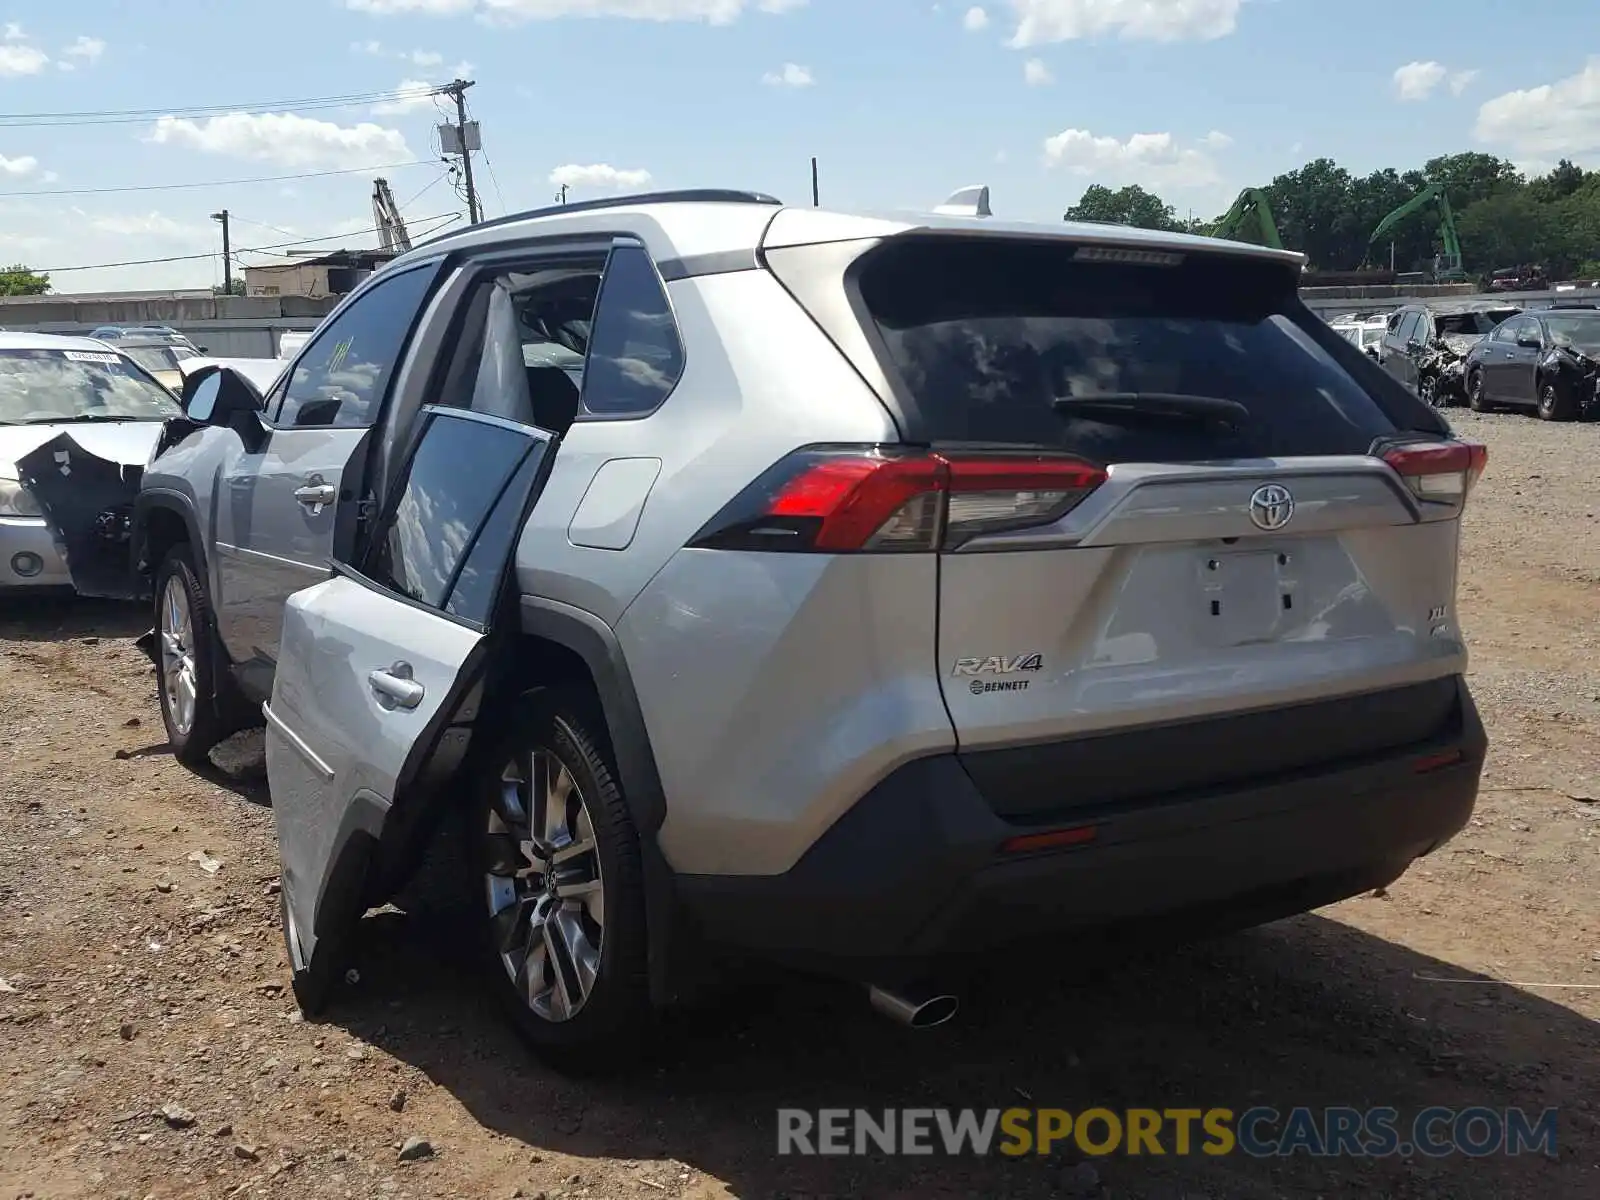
1477,400
186,660
1555,402
558,887
1428,390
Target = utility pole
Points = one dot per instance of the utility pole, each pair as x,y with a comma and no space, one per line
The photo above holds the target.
227,253
816,195
561,196
462,139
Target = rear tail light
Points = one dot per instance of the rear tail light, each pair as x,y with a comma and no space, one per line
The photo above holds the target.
1439,472
850,499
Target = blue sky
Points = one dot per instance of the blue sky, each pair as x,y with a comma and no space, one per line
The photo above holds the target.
901,100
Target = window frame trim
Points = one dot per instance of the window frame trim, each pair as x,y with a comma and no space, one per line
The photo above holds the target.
377,279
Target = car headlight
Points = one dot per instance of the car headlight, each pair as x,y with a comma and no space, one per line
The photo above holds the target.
17,501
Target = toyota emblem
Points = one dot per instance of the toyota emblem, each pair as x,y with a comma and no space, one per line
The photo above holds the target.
1271,507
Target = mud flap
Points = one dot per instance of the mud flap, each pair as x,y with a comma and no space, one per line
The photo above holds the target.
88,502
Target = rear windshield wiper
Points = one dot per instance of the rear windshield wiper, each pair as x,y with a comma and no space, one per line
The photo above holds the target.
1138,406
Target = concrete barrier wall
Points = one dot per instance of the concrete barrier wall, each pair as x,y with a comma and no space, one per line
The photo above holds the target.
228,326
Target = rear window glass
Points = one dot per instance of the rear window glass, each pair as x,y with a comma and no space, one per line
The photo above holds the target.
1471,323
992,341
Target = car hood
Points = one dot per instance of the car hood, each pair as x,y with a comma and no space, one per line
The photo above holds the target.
127,442
1460,343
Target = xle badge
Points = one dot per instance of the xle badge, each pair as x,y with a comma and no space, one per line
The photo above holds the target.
996,667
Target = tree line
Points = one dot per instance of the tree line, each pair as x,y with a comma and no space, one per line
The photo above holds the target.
1504,218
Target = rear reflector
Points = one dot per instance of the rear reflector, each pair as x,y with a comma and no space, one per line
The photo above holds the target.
1437,762
849,499
1056,839
1439,472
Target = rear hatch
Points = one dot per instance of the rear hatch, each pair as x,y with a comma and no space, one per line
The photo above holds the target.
1192,537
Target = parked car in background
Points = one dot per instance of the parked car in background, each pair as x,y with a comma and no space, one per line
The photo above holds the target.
290,342
1425,345
1367,335
78,421
149,334
1547,360
159,356
731,634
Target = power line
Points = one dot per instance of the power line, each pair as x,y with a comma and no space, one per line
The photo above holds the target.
442,218
126,116
167,187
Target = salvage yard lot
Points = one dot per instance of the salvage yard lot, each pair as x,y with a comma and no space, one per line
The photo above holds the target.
134,978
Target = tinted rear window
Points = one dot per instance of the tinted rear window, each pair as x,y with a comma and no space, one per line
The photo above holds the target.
985,336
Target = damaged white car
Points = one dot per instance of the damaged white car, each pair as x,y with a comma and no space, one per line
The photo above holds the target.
78,421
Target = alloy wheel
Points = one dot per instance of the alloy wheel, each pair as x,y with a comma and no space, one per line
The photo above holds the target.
544,886
179,682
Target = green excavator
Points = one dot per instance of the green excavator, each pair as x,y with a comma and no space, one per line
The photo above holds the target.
1447,266
1251,206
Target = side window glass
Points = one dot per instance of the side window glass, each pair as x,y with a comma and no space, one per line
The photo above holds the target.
635,355
341,379
273,404
456,477
477,585
1402,331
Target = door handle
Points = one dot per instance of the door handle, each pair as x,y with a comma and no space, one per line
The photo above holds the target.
395,687
316,495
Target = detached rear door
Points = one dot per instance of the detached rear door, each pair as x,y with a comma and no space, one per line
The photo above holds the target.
1226,565
375,665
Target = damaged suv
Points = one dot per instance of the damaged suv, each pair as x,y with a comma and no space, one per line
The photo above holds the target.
1426,345
78,419
851,591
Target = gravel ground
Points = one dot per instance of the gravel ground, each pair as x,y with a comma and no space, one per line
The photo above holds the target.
148,1047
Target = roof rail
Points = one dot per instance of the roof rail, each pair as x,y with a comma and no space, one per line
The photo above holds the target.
683,196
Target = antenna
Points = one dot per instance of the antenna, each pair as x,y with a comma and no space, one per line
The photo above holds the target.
967,202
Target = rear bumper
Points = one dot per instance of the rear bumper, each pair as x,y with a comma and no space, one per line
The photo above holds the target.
915,871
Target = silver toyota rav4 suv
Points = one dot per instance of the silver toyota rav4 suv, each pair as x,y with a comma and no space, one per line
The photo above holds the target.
845,590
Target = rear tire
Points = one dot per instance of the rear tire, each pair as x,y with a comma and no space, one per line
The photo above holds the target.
186,660
561,927
1555,402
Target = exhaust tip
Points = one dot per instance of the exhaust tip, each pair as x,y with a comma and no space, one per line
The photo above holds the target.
915,1009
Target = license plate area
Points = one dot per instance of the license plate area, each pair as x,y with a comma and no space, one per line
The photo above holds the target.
1244,596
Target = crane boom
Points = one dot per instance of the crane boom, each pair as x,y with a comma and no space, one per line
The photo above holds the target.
1251,203
1449,264
392,233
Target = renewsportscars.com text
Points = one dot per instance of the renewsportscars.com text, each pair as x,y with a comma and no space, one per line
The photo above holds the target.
1260,1132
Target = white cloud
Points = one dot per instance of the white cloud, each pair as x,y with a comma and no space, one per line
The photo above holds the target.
285,139
24,164
1217,140
147,225
1154,159
1555,120
1036,74
792,75
715,12
410,95
598,175
375,49
1418,80
423,58
975,20
1042,21
18,55
1461,81
85,49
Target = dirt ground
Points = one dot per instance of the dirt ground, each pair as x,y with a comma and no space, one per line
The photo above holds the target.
132,979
